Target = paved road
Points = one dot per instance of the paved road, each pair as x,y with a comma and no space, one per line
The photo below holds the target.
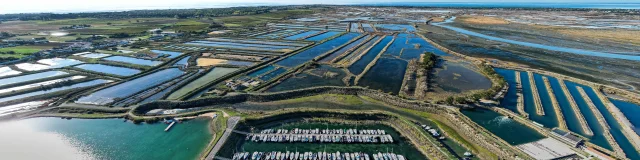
231,124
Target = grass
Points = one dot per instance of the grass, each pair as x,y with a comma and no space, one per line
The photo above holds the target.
253,20
482,20
200,82
341,99
452,133
25,50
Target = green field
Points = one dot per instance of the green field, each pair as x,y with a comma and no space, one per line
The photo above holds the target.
215,73
25,50
253,20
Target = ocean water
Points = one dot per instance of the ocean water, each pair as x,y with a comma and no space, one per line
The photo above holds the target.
510,5
55,138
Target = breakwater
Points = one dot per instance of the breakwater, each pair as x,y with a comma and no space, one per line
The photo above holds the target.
583,122
621,119
562,123
607,134
520,104
536,96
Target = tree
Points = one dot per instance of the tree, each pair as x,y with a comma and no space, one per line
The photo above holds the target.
449,100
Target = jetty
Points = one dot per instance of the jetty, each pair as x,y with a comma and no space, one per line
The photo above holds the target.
607,134
621,119
562,123
520,104
583,122
536,96
170,125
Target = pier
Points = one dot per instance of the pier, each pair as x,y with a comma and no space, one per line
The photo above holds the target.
520,105
583,122
321,136
621,119
170,125
231,124
562,123
288,155
607,134
536,96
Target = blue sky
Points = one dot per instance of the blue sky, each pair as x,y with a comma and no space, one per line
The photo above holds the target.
21,6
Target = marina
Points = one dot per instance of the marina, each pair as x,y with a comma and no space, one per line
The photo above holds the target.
315,156
322,136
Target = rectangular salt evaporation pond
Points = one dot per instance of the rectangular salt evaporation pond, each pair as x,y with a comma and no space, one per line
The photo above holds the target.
261,71
259,41
386,75
120,71
354,27
598,137
301,35
216,61
320,49
131,87
396,27
182,62
95,55
344,49
323,36
30,77
232,45
48,64
37,93
19,108
214,74
359,66
410,46
7,71
40,84
133,60
170,53
273,74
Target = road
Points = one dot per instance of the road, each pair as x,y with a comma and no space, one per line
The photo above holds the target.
231,124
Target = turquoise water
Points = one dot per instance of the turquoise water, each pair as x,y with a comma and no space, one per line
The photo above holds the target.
52,90
529,104
386,75
616,129
598,137
630,110
297,36
131,87
29,77
535,45
133,60
359,66
322,36
549,112
320,49
510,100
505,128
55,138
121,71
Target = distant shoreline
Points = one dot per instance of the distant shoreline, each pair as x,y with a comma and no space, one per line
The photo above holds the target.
453,5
